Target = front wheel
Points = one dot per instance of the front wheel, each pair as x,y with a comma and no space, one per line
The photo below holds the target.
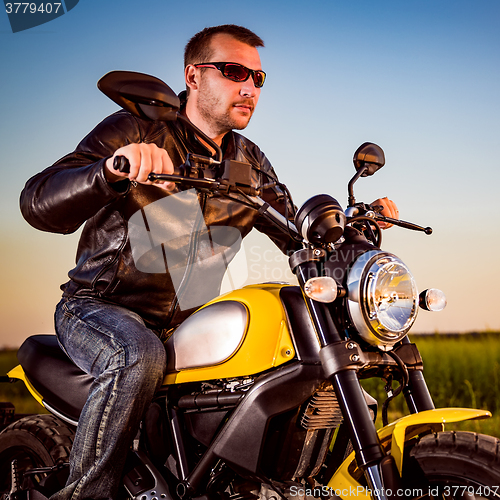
453,465
35,441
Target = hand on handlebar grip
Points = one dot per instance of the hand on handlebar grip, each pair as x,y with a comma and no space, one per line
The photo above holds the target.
389,210
137,161
121,164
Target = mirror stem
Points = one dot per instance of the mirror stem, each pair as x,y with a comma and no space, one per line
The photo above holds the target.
351,200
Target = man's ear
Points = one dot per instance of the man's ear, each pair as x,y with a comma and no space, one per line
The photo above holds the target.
191,76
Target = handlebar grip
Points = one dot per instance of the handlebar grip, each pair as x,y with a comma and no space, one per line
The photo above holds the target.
121,164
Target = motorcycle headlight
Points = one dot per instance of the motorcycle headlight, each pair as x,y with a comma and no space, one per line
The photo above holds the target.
382,298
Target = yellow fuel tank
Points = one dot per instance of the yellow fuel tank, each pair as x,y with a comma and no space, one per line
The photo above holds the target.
241,333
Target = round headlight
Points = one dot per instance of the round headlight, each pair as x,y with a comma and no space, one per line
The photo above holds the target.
383,298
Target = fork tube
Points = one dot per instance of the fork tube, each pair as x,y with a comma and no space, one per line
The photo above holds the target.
369,453
417,395
357,417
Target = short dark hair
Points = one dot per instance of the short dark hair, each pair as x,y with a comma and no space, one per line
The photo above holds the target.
198,48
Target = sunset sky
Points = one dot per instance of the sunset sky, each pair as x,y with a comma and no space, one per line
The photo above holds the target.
419,78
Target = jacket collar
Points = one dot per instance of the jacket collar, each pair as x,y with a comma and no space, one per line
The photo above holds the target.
228,142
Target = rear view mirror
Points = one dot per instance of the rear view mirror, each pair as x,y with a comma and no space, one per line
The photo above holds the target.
143,95
369,157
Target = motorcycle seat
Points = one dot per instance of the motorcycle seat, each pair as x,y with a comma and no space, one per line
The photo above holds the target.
62,385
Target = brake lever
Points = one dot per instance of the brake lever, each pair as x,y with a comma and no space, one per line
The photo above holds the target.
212,185
396,222
179,179
406,225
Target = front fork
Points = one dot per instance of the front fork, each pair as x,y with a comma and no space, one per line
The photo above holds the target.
340,367
379,469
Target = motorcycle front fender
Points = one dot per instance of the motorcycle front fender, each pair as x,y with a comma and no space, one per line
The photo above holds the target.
393,437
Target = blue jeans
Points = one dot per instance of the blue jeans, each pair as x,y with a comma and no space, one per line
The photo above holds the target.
128,363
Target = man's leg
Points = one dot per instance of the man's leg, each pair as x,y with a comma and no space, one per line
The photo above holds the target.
128,362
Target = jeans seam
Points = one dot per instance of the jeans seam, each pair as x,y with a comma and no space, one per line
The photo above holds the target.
104,420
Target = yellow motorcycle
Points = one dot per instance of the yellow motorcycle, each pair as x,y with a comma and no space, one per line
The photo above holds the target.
262,396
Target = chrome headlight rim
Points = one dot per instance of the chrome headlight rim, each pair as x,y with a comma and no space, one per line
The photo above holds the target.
360,286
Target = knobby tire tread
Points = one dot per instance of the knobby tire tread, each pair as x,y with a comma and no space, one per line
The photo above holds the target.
55,436
459,454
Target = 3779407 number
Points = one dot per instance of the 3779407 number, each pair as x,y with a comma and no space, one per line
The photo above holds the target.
471,490
32,8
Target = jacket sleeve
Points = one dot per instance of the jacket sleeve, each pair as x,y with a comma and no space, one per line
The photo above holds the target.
62,197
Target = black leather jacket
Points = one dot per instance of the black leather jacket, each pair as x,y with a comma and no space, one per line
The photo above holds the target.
124,246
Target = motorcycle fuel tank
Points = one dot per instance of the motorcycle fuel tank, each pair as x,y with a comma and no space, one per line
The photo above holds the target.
241,333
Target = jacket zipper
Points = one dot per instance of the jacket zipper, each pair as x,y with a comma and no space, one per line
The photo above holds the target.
193,247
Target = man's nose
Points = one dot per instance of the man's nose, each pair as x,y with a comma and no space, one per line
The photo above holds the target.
248,88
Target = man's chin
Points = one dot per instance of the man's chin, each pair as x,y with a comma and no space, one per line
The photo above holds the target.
241,123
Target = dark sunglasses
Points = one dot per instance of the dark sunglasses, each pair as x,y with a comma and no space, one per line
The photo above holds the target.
236,72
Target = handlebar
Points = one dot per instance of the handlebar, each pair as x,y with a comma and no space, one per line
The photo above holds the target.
223,186
371,213
192,174
203,172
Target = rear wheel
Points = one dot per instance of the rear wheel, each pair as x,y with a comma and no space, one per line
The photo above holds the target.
453,465
35,441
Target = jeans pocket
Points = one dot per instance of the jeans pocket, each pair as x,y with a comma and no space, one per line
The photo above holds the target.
66,312
62,315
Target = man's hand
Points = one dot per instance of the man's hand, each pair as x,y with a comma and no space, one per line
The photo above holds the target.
390,210
143,159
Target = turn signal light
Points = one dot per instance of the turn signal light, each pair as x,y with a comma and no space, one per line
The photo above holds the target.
322,288
432,300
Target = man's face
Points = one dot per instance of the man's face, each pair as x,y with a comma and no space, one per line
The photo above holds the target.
221,104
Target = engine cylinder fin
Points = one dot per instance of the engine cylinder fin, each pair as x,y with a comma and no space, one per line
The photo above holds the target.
322,412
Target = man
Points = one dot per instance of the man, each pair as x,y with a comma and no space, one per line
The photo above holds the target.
113,310
123,294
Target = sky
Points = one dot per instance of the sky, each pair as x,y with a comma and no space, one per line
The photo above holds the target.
419,78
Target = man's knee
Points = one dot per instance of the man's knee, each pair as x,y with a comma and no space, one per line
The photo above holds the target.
152,358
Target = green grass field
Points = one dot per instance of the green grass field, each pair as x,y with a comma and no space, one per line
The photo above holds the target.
461,371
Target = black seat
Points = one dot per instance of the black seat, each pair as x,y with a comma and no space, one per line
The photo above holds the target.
62,385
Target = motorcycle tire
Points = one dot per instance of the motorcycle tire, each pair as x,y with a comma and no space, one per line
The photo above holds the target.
453,465
35,441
